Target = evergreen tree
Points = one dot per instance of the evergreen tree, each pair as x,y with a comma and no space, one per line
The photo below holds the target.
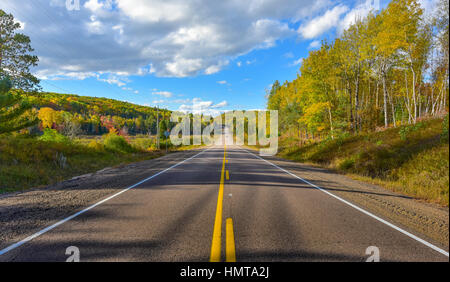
15,114
15,55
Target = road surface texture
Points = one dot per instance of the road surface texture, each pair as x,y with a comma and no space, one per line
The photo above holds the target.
219,204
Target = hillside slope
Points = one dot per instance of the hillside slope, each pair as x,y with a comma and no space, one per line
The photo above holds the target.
413,160
96,115
57,148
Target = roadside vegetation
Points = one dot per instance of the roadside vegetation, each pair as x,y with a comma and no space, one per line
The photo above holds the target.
27,161
411,159
49,137
372,102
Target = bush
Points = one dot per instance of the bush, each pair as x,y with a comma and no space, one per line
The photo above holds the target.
96,146
51,135
406,130
116,143
444,135
143,144
163,144
347,164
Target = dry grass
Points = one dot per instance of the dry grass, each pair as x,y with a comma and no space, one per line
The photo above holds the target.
413,160
27,162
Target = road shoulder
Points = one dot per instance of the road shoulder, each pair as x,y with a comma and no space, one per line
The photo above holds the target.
23,213
428,221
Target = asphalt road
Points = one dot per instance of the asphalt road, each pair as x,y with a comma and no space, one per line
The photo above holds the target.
182,214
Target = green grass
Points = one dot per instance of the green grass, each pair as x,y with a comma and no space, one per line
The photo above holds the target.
413,160
27,162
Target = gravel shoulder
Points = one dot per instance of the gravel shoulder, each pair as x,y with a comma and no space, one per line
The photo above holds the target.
426,220
24,213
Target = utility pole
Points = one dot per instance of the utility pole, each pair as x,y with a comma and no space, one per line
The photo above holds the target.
157,127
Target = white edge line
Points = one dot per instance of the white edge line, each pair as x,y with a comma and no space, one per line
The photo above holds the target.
37,234
359,209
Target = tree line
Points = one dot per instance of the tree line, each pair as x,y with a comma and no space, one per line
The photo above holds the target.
73,115
386,69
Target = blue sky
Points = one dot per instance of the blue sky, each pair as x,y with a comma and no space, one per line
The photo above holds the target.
172,53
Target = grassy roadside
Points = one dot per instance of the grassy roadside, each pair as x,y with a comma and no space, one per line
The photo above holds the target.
28,162
412,160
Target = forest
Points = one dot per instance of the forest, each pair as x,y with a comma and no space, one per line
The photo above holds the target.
387,69
74,115
373,103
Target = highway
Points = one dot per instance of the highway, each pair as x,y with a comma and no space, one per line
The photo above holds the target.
224,203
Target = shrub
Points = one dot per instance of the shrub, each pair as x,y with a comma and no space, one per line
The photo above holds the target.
95,145
143,144
116,143
444,135
347,164
51,135
406,130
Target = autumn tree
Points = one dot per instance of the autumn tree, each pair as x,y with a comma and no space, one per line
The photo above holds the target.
385,69
15,55
15,113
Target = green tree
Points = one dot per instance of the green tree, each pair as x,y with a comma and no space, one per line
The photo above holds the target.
163,126
15,114
15,55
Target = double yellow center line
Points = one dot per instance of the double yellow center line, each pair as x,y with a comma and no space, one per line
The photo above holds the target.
216,245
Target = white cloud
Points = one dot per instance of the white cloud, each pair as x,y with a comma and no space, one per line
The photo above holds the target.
314,44
182,101
170,38
95,26
239,64
22,24
358,12
113,79
295,63
199,106
156,102
222,82
93,5
220,105
165,94
429,6
321,24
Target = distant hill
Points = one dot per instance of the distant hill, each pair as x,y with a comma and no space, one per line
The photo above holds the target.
95,115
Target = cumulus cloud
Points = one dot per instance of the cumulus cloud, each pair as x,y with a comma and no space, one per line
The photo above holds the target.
198,106
165,94
182,101
358,12
156,102
297,62
113,79
323,23
222,82
314,44
166,38
220,105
